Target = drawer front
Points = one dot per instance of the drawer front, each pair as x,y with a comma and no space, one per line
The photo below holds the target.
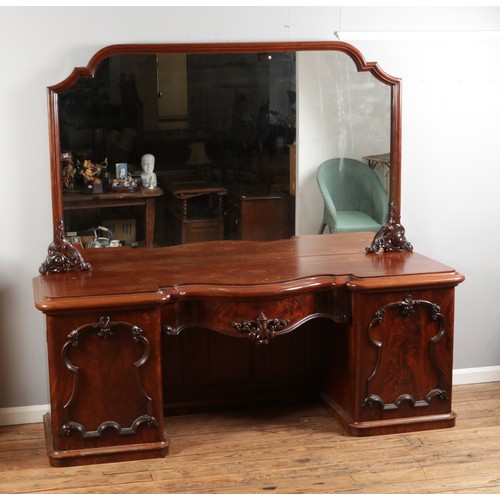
259,320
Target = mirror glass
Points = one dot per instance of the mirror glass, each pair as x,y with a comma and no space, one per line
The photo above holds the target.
237,139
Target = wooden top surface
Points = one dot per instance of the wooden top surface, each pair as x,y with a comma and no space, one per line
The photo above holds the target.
239,270
186,188
85,197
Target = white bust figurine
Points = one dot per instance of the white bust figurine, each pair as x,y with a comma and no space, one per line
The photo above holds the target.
148,177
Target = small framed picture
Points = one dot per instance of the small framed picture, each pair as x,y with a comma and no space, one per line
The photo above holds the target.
121,170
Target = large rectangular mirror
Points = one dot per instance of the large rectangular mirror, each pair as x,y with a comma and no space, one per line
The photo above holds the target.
169,144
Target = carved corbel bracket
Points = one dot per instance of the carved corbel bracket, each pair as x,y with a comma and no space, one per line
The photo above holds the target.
62,255
391,236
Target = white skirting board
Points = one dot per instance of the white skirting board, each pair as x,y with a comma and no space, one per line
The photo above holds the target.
23,414
479,375
34,414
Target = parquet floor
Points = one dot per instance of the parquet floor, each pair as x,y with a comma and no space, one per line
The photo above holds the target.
285,450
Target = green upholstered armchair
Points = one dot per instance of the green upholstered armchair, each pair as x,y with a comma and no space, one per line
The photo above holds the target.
355,199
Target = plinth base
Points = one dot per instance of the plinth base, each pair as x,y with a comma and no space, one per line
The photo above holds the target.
389,426
86,456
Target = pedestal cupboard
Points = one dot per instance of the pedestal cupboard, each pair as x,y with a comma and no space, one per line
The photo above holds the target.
224,323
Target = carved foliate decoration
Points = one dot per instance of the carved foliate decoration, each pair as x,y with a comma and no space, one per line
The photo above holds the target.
62,255
105,330
169,330
408,308
391,236
261,329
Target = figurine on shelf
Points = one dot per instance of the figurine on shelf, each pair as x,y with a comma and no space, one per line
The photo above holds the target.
91,173
68,170
148,177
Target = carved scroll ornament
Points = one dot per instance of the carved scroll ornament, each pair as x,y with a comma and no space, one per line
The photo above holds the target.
62,255
391,236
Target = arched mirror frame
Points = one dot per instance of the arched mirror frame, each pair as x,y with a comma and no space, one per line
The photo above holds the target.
62,256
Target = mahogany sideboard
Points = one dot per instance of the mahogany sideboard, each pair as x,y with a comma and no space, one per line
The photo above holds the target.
243,323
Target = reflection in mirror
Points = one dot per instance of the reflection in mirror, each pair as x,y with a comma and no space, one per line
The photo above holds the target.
237,140
344,115
220,127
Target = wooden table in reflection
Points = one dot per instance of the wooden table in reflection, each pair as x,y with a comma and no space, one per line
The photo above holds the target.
143,198
201,221
384,161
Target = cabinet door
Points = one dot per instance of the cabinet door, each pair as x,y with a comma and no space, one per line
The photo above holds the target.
105,379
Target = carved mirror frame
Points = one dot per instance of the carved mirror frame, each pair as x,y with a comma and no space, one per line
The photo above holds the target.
62,256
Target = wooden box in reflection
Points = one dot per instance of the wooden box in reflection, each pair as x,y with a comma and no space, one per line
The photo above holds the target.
194,230
257,213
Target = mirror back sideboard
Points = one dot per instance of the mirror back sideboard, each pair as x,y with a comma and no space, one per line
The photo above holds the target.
356,321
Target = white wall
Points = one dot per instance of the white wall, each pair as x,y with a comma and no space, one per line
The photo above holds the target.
451,109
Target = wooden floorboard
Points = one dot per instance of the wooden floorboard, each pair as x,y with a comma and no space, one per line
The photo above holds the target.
280,450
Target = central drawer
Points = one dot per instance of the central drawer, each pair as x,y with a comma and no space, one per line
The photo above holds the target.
257,320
